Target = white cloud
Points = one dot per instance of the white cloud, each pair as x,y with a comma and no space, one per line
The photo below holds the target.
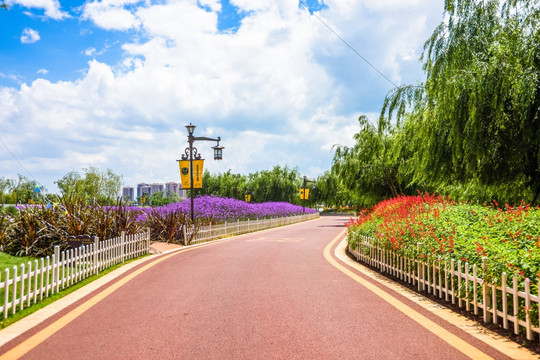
51,7
16,78
111,15
214,5
178,20
281,90
29,36
90,51
42,71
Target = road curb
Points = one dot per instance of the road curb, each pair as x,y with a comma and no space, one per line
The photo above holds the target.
492,339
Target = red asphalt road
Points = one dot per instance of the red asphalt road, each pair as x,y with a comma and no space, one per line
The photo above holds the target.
267,295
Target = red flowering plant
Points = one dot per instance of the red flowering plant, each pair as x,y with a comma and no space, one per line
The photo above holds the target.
395,223
433,227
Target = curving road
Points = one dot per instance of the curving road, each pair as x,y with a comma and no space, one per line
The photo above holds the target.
266,295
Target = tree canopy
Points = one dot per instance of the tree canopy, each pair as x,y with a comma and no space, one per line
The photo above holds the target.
95,186
472,128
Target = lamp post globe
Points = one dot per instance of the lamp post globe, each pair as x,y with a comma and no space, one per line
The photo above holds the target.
218,151
190,129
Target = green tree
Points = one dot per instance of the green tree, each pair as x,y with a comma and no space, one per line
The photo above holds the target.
278,184
98,186
24,190
6,186
71,184
476,118
369,168
158,199
225,185
331,192
173,197
111,185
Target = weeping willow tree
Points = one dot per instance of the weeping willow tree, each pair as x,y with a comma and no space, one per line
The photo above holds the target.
331,192
473,126
370,168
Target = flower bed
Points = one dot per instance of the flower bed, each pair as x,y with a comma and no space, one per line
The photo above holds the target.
217,210
508,238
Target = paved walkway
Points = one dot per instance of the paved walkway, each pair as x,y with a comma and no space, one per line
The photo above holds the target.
276,294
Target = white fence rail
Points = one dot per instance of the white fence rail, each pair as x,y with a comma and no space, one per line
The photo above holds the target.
212,232
459,283
32,282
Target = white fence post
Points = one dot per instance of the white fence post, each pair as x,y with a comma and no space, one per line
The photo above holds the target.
96,258
14,296
122,245
485,296
6,293
56,267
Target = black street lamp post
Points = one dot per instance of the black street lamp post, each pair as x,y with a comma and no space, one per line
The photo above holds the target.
304,187
191,153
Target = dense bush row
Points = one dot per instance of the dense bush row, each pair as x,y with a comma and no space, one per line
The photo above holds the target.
508,237
35,230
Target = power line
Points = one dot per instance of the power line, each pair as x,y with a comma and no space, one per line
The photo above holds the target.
348,45
20,163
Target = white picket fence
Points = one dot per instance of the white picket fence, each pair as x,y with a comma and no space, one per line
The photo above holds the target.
32,282
458,282
212,232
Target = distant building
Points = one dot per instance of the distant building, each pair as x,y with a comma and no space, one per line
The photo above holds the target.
171,187
182,192
175,188
128,193
142,188
155,188
145,190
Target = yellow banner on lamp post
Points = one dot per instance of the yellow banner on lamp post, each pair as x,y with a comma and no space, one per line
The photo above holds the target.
248,197
184,173
304,194
198,173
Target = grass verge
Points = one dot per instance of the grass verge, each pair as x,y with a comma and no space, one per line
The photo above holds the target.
9,261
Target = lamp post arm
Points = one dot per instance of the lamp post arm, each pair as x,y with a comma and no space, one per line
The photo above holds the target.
202,138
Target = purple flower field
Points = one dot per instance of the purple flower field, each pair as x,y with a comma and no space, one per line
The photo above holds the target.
216,209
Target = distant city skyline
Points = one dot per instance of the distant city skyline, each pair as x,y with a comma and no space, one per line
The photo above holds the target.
128,192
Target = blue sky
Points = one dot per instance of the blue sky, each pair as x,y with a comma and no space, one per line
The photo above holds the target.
112,83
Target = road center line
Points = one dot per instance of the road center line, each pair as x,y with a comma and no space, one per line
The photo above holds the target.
453,340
